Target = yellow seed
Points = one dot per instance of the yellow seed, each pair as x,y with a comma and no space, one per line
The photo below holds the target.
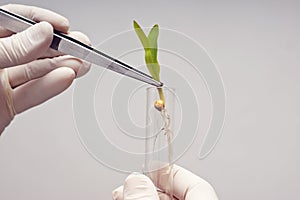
159,105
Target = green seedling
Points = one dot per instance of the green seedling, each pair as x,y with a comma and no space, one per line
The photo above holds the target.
150,46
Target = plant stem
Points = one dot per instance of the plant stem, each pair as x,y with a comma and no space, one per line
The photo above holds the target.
161,94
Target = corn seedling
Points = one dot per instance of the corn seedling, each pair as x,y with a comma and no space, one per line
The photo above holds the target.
150,46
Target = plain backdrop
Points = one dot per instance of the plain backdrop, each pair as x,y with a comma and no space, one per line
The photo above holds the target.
255,45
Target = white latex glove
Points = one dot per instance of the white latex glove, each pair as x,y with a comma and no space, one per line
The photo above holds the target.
186,186
30,72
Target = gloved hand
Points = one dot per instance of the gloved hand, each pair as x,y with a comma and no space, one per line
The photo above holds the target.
186,186
30,72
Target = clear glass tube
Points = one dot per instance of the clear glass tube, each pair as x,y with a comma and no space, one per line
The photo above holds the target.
159,134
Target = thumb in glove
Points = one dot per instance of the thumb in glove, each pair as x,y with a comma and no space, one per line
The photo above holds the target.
136,187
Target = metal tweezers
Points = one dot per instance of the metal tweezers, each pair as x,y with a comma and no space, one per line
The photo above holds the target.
70,46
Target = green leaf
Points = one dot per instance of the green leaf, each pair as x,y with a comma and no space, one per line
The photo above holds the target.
140,33
150,46
153,35
153,66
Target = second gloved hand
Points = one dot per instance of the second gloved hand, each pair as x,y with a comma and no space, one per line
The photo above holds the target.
186,186
31,73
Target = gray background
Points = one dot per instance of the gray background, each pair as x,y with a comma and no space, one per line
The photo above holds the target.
255,45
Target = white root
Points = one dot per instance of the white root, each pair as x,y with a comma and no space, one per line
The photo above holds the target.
168,133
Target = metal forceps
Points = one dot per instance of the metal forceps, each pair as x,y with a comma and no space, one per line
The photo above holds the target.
70,46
